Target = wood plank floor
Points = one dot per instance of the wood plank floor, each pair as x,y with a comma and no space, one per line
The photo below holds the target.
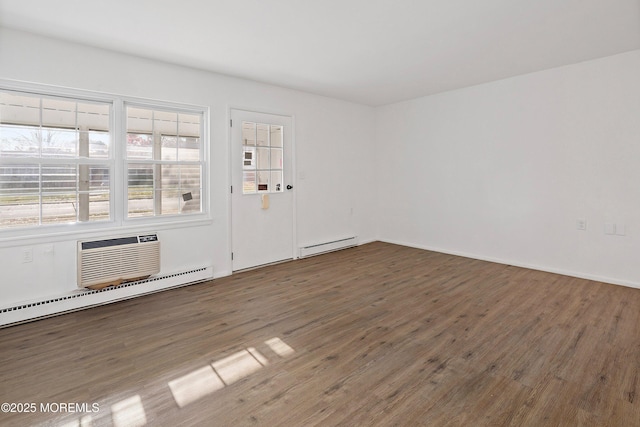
376,335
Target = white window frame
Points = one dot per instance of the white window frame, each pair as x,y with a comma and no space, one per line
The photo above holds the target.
118,223
125,161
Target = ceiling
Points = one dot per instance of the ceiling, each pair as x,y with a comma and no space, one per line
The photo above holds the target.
372,52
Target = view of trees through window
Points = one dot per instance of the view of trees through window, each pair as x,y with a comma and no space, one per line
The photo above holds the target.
55,160
58,158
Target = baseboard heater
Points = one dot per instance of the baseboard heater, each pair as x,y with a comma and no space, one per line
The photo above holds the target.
334,245
84,298
111,262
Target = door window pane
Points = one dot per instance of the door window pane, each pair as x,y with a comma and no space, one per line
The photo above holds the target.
276,136
267,157
263,181
248,133
263,158
276,158
262,134
249,158
276,181
248,182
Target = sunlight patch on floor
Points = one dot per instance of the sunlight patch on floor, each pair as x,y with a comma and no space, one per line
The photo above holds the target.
259,357
195,385
129,412
85,421
237,366
279,347
223,372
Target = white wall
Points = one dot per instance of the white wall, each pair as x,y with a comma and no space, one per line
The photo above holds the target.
330,135
499,171
502,171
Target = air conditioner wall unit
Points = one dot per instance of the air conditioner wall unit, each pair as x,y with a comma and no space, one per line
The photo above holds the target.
110,262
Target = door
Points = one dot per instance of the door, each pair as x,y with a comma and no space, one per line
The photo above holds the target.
262,189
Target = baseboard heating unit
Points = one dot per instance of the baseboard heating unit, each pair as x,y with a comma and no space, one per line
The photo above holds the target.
334,245
85,298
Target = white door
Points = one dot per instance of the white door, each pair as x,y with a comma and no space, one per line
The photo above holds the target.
262,189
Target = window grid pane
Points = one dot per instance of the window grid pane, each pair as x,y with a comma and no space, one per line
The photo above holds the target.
169,182
57,160
59,208
52,139
262,152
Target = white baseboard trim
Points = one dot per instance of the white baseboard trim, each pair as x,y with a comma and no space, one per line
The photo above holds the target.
221,274
364,242
84,298
324,247
579,275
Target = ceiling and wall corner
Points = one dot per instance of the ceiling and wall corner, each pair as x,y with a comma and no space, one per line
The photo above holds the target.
369,52
421,105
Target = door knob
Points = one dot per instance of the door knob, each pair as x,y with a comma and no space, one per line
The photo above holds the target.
289,187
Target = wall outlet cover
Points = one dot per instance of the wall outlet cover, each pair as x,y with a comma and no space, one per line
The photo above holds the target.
609,228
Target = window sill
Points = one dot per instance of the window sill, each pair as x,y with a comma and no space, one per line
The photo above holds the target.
72,232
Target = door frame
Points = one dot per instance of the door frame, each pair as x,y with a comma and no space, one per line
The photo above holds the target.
294,217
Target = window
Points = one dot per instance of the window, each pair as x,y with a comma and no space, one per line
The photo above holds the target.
262,158
62,162
164,162
55,160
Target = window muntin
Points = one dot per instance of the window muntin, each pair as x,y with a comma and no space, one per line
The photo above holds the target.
55,160
62,161
262,159
165,162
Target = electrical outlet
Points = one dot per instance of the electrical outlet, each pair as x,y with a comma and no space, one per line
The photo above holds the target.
609,228
27,255
581,224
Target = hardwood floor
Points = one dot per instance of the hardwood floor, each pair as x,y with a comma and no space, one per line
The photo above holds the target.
375,335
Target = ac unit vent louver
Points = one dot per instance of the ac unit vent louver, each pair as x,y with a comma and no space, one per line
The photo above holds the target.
109,262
